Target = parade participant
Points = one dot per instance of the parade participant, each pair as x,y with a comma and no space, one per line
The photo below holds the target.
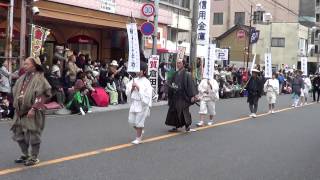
139,93
181,95
30,93
271,87
254,88
297,87
316,87
208,95
305,91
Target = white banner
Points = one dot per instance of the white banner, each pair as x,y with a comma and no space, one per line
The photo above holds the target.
222,54
268,65
134,51
153,66
203,22
304,65
253,63
208,71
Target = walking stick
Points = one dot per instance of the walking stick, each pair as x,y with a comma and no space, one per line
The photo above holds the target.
243,88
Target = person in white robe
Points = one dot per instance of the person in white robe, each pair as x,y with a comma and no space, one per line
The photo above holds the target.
208,95
139,93
305,91
271,88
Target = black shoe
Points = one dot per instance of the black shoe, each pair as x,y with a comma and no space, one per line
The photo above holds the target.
21,159
188,129
174,130
32,162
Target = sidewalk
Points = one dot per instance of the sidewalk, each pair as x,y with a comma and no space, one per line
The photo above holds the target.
96,109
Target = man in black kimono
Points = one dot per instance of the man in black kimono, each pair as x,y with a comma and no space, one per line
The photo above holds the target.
255,89
181,95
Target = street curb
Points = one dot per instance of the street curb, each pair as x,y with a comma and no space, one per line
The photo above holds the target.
96,109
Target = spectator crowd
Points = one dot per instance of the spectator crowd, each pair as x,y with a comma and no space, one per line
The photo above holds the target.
78,82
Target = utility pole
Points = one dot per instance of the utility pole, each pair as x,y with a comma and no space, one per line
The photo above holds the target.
23,22
8,53
155,34
249,37
193,44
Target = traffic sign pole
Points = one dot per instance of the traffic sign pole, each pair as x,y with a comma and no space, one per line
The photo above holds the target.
155,34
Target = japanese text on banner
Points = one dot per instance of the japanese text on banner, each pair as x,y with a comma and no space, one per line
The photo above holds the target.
203,22
134,53
304,65
268,65
208,72
153,66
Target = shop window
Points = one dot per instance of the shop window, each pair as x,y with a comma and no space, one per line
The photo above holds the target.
85,45
239,18
278,42
217,18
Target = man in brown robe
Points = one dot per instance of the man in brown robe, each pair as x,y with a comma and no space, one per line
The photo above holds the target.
30,93
181,95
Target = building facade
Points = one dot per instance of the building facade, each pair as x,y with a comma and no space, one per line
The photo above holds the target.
287,16
98,27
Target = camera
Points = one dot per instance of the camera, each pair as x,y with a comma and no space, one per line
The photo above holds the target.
35,10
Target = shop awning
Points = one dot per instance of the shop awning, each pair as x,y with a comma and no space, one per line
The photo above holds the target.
164,50
77,14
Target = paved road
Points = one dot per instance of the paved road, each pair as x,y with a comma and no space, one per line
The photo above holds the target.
280,146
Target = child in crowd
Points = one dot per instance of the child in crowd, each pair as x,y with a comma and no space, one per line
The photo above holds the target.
139,93
208,95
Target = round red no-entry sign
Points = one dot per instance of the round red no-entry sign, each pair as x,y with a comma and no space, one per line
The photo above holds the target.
148,9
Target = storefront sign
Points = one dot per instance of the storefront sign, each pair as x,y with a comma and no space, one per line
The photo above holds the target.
147,28
268,65
304,65
100,5
181,52
134,51
241,34
203,22
153,66
148,9
208,71
222,54
39,36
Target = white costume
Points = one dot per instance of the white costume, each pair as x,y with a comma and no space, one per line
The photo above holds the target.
307,87
271,87
140,101
208,96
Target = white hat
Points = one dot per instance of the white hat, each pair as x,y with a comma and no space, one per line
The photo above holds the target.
255,70
114,63
59,47
55,68
95,73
